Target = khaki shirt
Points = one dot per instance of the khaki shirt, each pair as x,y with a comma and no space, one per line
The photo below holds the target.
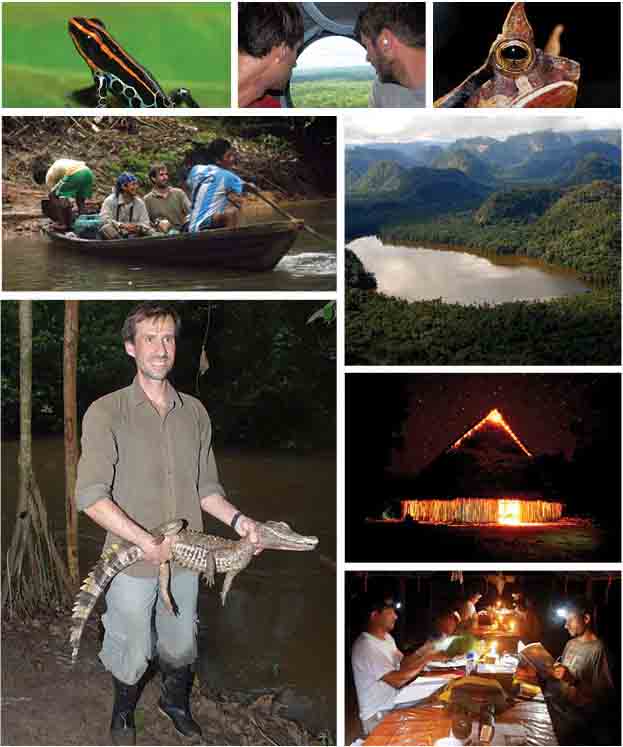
175,207
155,468
116,209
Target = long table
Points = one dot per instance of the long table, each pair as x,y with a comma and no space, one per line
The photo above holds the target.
429,722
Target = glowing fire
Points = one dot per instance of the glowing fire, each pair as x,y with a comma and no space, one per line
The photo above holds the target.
482,511
495,417
509,512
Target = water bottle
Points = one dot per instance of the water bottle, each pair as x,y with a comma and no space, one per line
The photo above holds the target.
470,664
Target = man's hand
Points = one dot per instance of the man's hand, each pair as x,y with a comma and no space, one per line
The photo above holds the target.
157,553
246,527
561,672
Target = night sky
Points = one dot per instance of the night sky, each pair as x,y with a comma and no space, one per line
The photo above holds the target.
549,413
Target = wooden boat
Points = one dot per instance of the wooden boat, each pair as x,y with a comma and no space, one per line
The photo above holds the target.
255,247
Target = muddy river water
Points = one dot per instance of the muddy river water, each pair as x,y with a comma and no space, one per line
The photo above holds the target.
33,264
415,273
278,626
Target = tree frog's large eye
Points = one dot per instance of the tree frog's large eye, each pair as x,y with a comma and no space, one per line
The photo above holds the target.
514,56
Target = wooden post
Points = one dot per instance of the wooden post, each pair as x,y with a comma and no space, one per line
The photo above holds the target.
402,619
70,355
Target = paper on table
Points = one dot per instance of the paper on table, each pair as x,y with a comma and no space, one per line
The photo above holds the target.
509,734
458,661
505,734
419,689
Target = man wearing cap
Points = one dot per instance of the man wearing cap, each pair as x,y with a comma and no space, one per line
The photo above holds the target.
123,213
380,669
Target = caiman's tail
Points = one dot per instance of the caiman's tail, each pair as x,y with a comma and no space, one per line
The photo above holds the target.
114,559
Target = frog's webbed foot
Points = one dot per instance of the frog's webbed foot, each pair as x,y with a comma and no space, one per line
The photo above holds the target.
183,96
101,89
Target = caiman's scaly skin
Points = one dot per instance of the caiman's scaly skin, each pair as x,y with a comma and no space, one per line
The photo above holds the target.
202,553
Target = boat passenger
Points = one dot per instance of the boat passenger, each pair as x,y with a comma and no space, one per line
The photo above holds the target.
65,179
269,38
216,192
124,213
394,35
168,206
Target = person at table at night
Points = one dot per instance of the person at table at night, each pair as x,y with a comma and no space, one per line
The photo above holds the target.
380,669
469,615
580,692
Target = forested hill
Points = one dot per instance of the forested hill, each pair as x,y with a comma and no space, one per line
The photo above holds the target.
552,196
388,194
578,227
546,195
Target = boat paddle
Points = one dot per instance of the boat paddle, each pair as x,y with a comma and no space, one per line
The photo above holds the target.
252,188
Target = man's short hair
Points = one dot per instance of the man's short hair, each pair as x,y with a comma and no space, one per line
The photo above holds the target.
375,602
149,310
407,21
263,26
155,169
582,606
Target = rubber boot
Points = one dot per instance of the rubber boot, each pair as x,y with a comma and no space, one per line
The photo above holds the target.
174,701
122,728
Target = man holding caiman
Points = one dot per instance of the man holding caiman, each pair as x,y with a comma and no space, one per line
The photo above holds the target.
147,458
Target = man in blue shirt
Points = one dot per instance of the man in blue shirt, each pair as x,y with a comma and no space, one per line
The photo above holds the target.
215,191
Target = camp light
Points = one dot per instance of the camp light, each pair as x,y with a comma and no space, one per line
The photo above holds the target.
561,612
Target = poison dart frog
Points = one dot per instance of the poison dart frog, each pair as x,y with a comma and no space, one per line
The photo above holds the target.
116,72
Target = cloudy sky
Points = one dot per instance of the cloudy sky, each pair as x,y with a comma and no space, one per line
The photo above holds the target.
403,126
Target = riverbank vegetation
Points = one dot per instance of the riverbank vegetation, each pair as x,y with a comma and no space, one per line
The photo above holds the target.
286,157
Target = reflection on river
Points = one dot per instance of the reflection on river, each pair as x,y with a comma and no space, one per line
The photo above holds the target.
33,263
460,276
278,626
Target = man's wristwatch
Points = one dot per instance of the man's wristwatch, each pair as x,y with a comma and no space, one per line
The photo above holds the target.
234,519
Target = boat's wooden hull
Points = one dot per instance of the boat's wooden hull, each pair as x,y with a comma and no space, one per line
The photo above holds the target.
255,248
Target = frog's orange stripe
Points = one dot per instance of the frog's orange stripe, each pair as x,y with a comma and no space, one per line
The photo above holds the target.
97,36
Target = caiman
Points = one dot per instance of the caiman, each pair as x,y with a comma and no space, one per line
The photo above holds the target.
202,553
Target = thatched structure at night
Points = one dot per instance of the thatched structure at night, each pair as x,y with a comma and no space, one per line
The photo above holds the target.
486,476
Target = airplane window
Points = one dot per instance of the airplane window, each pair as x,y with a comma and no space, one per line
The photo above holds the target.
332,72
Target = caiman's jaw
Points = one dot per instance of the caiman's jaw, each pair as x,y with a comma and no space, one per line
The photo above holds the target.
277,535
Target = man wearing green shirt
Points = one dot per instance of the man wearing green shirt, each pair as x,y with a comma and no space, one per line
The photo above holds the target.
147,458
